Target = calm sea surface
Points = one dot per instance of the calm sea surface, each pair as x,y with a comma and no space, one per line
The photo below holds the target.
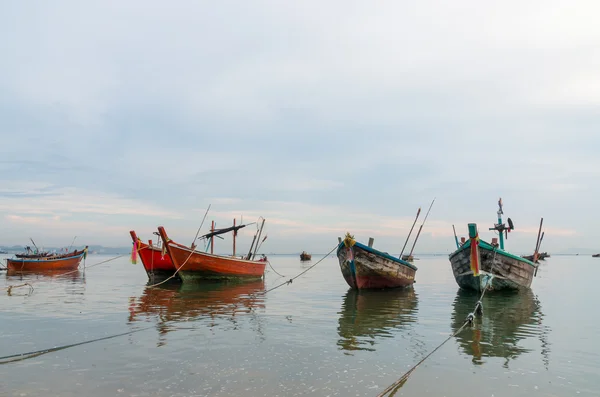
314,337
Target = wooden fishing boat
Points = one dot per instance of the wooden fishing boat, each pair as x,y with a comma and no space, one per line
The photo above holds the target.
156,262
69,261
364,267
304,256
596,256
477,264
196,265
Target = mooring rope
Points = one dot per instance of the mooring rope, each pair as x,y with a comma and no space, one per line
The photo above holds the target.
174,274
300,274
469,320
276,272
24,356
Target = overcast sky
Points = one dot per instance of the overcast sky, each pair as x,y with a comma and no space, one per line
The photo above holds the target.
322,117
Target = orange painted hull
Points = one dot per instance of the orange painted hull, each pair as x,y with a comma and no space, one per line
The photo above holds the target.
30,265
201,265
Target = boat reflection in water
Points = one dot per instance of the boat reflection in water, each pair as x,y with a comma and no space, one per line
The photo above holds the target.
76,275
169,304
368,315
508,318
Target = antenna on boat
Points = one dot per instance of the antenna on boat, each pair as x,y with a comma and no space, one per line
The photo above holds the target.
420,228
409,233
500,227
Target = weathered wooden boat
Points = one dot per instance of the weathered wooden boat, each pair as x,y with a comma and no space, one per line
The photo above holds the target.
477,264
69,261
304,256
156,261
596,256
194,265
369,315
364,267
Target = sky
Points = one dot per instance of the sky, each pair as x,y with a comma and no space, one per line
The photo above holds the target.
322,117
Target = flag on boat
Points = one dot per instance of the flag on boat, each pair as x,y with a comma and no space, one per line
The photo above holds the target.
475,255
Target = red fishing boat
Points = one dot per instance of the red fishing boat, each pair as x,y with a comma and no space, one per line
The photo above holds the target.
156,261
69,261
195,265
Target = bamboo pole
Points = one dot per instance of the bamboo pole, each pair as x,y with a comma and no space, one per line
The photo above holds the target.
455,238
259,234
420,228
409,233
234,234
537,242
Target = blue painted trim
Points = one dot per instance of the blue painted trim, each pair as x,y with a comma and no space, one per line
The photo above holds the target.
45,261
379,253
487,246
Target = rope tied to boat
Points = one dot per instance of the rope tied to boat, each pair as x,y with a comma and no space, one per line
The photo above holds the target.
288,282
10,288
469,320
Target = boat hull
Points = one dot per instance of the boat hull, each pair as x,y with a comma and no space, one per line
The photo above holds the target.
195,266
507,271
366,268
156,264
44,263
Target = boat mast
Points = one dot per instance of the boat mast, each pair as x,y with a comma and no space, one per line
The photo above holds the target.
234,234
212,238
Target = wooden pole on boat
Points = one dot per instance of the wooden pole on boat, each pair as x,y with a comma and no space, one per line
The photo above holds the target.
212,238
455,238
537,242
409,233
33,242
72,242
259,234
234,234
251,246
420,228
500,212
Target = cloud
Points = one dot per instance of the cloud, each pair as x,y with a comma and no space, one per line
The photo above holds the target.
320,117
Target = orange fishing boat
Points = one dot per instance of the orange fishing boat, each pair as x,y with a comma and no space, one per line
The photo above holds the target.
156,261
195,265
31,263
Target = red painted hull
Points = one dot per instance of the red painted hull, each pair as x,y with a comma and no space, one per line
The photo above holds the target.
45,263
156,263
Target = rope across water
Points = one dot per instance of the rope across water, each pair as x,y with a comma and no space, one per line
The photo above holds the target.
24,356
391,389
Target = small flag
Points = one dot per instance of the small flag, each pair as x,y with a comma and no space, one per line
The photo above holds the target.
134,252
475,255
